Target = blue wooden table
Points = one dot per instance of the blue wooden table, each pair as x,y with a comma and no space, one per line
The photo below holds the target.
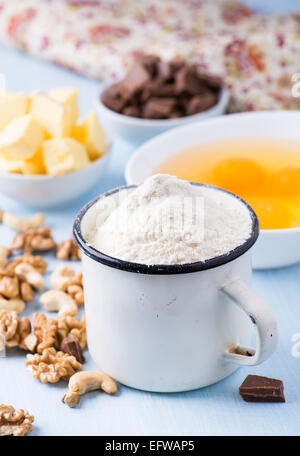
215,410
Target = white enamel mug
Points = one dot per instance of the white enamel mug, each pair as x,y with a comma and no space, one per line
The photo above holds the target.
169,328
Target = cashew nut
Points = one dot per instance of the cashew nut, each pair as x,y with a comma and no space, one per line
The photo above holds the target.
31,275
82,382
61,275
8,305
21,224
58,301
4,254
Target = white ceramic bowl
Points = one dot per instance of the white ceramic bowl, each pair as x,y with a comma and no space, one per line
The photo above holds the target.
138,131
44,191
274,248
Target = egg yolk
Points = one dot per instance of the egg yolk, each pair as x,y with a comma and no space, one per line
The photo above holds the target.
286,182
271,213
239,175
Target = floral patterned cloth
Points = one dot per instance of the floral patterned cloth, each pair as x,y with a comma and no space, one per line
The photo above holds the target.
256,55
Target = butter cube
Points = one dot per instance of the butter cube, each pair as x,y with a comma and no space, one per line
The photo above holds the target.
69,98
64,156
11,166
92,135
34,165
21,138
12,106
53,116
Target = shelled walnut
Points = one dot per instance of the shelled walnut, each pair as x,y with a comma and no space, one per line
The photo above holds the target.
52,365
34,239
44,330
17,332
15,422
68,250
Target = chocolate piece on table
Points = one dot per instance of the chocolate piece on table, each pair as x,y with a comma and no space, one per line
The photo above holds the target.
112,98
72,346
159,108
261,389
200,103
135,80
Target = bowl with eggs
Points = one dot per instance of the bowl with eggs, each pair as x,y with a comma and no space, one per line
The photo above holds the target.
254,155
47,157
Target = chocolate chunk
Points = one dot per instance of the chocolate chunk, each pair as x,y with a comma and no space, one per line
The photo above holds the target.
176,65
200,103
72,346
159,108
261,389
164,70
188,81
135,80
158,88
175,114
165,90
132,111
151,88
211,81
112,98
150,63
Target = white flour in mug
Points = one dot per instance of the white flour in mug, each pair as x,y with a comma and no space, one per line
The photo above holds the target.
169,221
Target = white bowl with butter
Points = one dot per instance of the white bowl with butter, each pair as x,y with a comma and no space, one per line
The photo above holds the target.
45,191
48,157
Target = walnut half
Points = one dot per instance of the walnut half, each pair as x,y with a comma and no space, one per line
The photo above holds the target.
15,422
17,332
68,250
52,365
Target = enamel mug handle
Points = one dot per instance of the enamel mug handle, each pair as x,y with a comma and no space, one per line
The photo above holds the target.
262,318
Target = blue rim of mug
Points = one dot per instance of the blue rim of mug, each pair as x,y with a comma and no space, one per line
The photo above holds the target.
162,269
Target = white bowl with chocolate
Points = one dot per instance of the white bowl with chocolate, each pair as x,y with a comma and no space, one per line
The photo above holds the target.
156,96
